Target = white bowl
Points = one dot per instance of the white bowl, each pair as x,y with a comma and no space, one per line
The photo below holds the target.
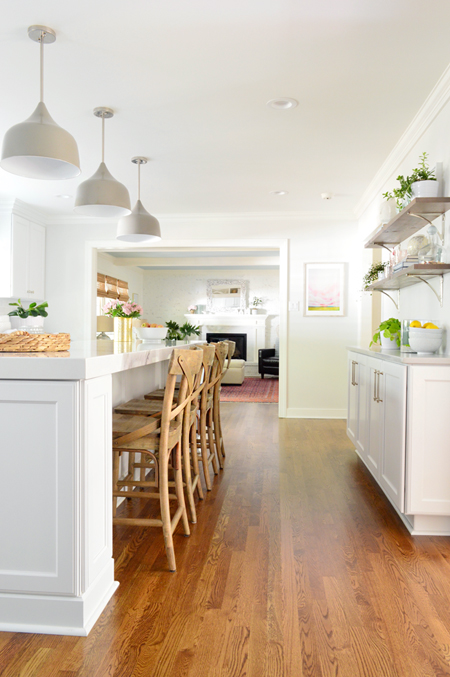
425,332
151,333
424,344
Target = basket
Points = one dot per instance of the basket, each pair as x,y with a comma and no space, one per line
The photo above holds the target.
23,342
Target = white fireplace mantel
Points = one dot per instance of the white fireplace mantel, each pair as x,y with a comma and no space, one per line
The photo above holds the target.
254,324
227,320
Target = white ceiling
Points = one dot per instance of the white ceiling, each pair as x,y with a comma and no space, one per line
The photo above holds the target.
189,80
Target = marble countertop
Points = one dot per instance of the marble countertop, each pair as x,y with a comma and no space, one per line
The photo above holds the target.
440,359
85,360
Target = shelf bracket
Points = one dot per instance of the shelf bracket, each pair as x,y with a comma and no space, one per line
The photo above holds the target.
424,218
396,303
386,247
440,297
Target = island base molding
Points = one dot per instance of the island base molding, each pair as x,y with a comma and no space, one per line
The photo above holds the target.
58,615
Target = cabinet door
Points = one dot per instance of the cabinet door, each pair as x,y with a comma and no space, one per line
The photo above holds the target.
36,262
352,404
428,471
20,257
374,419
392,392
363,406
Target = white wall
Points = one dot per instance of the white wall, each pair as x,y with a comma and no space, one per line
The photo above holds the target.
316,346
169,293
417,301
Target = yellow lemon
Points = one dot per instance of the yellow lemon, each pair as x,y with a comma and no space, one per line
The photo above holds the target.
430,325
416,323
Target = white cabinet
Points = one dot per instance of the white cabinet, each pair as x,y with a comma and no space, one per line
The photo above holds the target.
387,424
22,258
357,402
400,425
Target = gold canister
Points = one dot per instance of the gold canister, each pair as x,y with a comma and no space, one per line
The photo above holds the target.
123,330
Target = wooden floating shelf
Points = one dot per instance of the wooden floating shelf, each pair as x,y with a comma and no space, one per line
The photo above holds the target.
408,221
409,276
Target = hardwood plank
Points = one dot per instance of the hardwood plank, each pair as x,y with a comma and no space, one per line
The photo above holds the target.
297,566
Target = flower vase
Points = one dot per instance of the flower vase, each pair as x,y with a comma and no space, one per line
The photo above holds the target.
123,329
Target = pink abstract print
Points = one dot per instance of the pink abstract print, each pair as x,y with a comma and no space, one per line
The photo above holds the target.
324,290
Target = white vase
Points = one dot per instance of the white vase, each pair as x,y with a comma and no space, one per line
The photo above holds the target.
425,188
387,344
31,324
388,210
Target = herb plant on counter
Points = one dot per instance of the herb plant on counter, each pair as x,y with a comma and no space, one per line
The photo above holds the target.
391,329
188,329
33,310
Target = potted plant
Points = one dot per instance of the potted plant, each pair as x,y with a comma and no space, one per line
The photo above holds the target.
388,208
375,272
388,334
423,179
187,330
123,314
31,318
257,301
192,309
173,332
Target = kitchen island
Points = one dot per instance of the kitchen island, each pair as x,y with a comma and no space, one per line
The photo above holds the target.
56,566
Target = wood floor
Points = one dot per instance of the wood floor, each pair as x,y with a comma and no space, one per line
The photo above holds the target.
297,566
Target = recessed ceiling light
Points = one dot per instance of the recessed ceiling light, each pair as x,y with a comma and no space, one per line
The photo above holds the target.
279,192
64,197
282,104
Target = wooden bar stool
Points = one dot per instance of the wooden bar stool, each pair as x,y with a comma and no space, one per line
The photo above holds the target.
157,438
217,418
143,407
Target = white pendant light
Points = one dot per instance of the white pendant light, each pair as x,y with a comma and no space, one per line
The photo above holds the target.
102,194
139,226
38,148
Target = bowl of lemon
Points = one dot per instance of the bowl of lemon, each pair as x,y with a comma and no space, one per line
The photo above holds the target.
425,338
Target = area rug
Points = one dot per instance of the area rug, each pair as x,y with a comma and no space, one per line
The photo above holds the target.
252,390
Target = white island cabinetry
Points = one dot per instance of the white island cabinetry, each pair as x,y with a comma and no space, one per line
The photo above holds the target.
401,432
56,566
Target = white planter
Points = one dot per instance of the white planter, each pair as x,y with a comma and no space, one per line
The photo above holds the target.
425,188
387,344
388,210
34,323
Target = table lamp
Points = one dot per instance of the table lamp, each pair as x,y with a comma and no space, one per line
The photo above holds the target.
104,323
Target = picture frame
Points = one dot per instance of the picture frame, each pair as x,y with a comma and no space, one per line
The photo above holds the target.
324,290
226,296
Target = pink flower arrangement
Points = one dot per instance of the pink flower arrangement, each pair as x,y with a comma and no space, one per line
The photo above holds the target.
116,308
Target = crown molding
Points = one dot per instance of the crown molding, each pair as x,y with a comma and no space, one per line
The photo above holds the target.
23,209
72,219
427,113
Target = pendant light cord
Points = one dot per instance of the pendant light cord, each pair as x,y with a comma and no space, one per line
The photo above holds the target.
103,138
41,49
139,180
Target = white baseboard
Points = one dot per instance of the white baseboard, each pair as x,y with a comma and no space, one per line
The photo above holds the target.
58,615
293,412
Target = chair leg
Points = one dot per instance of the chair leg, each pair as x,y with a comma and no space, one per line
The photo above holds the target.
212,444
178,476
262,374
217,431
187,472
116,469
194,456
165,513
204,450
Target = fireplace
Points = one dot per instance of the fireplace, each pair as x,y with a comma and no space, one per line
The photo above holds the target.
240,339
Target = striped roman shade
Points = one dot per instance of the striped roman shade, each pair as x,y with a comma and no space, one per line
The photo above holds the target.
101,285
112,288
122,288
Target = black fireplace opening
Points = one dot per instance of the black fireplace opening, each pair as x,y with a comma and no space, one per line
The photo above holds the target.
240,352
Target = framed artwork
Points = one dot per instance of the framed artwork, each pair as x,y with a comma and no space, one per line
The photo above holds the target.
324,289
